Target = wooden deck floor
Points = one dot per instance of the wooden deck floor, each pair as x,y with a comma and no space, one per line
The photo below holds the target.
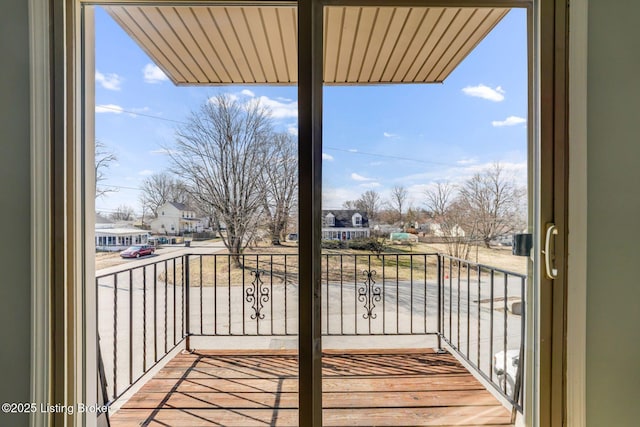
360,388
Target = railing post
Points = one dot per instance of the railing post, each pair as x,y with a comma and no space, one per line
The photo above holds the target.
187,311
440,286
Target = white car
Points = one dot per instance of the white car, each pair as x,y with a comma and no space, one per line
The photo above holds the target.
513,359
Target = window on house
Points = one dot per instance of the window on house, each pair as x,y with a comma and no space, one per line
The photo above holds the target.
330,220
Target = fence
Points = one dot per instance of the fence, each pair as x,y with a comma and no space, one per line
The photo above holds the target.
141,318
478,320
146,311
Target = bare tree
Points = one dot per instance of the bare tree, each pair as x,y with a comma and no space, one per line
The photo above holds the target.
398,200
123,213
493,199
220,154
349,204
440,197
158,189
104,158
204,209
454,224
280,184
369,202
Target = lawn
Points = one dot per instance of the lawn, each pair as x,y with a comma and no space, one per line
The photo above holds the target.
279,264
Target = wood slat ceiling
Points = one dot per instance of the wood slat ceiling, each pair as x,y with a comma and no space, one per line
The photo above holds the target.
258,44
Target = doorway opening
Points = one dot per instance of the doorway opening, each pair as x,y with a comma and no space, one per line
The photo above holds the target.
443,279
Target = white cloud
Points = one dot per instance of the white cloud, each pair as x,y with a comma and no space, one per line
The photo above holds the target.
389,135
507,167
509,121
109,108
459,174
280,110
370,185
145,172
108,81
356,177
230,96
327,157
333,198
419,189
153,74
466,161
293,129
485,92
352,150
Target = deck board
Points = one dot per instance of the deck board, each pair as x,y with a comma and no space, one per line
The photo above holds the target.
360,388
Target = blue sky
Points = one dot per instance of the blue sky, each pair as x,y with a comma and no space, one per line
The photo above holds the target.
374,137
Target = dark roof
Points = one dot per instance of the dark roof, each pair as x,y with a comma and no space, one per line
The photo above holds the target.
343,217
181,206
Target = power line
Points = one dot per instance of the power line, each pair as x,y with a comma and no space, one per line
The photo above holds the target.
120,110
119,186
387,156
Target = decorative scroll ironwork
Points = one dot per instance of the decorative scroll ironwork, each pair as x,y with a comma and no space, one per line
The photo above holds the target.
369,294
257,294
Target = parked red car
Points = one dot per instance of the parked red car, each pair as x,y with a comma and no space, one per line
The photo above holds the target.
137,251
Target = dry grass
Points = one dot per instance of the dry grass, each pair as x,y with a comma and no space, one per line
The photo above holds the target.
279,264
108,259
498,256
222,270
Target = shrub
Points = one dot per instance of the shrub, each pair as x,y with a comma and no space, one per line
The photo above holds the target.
333,244
369,244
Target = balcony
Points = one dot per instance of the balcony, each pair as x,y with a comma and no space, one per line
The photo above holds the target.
409,339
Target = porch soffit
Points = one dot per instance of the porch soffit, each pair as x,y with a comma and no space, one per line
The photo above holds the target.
197,45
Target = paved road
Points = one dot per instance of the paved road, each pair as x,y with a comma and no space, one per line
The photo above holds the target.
165,252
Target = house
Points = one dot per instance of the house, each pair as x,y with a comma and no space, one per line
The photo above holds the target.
455,231
113,236
602,348
118,239
344,224
176,218
384,229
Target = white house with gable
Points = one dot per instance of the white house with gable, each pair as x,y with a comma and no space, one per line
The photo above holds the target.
344,224
176,218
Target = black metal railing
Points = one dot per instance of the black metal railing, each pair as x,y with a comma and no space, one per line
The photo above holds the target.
156,306
386,294
141,318
479,321
363,294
